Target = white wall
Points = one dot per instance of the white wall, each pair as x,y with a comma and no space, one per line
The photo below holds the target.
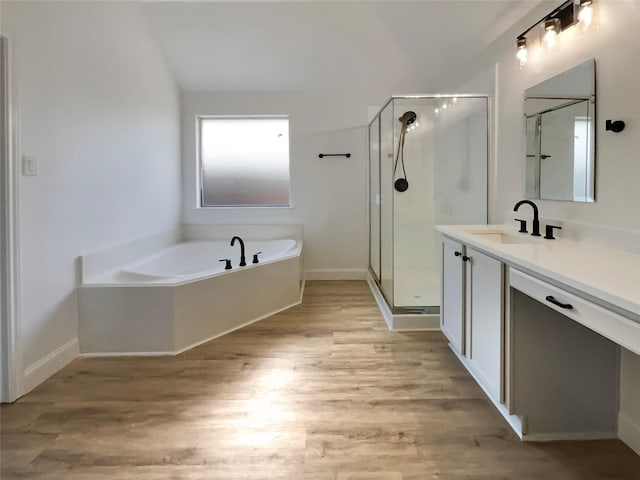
328,195
100,110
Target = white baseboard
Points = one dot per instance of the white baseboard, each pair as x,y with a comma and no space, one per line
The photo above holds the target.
38,372
563,437
629,432
337,274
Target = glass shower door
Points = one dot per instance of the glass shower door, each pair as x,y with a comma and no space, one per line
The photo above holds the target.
437,147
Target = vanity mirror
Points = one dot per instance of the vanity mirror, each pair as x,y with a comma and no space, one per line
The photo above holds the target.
560,136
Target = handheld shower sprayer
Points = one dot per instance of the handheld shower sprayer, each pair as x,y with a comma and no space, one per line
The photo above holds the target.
407,118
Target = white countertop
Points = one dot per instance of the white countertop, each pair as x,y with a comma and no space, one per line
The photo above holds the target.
606,274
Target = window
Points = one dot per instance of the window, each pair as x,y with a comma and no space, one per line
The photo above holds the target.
244,161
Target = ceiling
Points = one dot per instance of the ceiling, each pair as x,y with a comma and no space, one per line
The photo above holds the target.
326,45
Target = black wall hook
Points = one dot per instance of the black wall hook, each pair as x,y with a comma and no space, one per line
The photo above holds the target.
615,126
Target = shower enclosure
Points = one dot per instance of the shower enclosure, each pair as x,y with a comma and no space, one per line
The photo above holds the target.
428,160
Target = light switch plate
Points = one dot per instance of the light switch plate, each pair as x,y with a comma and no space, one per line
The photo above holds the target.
29,165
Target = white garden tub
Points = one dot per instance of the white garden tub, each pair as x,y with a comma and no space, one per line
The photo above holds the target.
181,296
187,261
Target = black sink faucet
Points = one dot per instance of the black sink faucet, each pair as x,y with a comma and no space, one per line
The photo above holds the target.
536,221
243,262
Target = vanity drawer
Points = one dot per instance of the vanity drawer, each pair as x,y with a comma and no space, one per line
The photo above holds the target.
611,325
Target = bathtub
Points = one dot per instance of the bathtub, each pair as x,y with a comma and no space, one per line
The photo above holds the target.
179,296
191,260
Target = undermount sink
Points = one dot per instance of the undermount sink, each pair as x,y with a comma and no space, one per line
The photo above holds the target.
503,238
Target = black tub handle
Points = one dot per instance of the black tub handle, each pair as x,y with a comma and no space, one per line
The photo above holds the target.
550,298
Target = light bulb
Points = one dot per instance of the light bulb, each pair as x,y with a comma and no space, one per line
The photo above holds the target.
522,56
585,17
551,33
522,53
550,38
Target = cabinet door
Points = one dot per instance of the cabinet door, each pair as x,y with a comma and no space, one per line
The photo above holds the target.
484,313
452,305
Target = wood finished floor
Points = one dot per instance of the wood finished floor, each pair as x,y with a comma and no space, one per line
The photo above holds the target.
320,392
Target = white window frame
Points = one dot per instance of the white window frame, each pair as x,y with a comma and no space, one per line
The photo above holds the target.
200,166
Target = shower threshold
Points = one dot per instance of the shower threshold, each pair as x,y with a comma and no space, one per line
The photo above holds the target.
405,319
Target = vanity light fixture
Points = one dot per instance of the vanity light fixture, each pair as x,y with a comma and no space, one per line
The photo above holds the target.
568,14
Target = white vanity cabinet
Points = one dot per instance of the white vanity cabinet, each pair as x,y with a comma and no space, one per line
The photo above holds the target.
544,328
484,315
472,311
452,315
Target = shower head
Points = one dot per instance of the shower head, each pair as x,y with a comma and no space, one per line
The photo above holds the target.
408,118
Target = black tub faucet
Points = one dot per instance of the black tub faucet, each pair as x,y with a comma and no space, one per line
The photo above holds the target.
243,262
536,220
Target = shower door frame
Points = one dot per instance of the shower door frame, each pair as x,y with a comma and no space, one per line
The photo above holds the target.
372,272
426,309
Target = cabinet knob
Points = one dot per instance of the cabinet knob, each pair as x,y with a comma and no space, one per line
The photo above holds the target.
457,254
465,258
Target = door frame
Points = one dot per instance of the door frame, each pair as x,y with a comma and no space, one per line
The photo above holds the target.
10,345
